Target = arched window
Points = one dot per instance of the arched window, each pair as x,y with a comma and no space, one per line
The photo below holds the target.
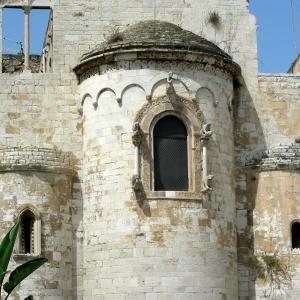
296,235
29,241
170,155
27,220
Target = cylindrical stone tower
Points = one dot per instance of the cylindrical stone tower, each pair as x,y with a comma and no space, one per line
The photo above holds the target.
159,210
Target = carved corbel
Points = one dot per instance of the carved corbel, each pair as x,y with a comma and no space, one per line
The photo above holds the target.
137,135
136,183
206,183
170,77
80,111
136,140
206,178
95,105
206,132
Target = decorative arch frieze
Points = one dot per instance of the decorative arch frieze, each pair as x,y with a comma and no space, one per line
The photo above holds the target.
171,77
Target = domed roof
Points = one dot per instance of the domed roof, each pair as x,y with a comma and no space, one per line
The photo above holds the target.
156,35
155,40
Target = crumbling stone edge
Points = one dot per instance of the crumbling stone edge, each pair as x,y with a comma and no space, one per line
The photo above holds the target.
278,157
32,158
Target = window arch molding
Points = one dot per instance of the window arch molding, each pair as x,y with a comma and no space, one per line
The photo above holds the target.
35,235
187,111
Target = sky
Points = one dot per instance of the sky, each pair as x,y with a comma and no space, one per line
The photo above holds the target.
277,46
13,29
278,40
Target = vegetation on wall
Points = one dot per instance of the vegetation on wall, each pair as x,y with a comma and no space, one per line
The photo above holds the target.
214,19
275,272
22,271
114,36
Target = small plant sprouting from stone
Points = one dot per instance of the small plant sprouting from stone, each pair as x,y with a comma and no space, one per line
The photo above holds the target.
21,272
275,271
214,19
114,37
78,14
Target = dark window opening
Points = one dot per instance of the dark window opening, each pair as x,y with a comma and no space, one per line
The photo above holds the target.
170,155
27,220
296,235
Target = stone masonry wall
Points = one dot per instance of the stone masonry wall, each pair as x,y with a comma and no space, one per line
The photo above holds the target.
41,109
266,136
40,178
164,247
275,209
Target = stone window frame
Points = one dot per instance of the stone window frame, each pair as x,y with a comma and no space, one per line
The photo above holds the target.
188,112
36,233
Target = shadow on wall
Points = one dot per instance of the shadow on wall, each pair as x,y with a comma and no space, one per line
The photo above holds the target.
249,146
77,219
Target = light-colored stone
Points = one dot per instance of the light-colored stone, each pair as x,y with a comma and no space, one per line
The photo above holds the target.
66,149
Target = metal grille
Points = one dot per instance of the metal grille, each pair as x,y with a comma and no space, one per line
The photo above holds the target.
170,155
296,235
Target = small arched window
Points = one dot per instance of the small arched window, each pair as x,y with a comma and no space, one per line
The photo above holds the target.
296,235
170,155
27,221
29,241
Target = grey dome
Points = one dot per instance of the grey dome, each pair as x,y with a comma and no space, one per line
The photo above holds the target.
156,35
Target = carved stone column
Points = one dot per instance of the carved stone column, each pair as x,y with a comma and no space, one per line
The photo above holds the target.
206,178
26,36
136,140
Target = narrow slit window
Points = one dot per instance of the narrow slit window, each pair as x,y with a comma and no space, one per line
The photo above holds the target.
27,221
170,155
296,235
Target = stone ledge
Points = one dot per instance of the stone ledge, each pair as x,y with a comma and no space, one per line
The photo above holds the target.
174,195
35,159
25,257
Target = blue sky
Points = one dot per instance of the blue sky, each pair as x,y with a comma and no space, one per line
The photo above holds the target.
276,49
276,43
13,31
